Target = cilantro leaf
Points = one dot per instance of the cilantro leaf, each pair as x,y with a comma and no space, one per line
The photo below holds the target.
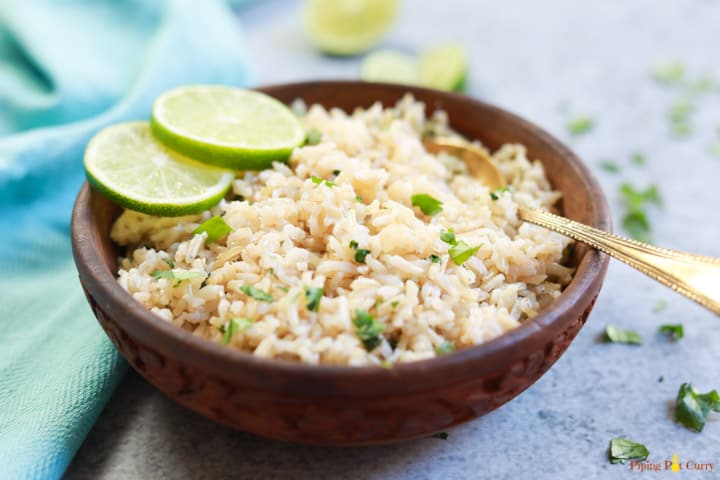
169,262
236,324
448,237
179,275
318,181
314,136
610,166
360,253
495,196
256,293
369,330
637,225
461,252
359,199
614,334
445,347
428,205
434,258
638,158
674,332
313,295
660,305
622,449
215,227
636,199
692,409
580,125
671,73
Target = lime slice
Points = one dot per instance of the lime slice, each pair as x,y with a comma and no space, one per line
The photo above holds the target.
444,67
389,66
126,164
227,127
348,27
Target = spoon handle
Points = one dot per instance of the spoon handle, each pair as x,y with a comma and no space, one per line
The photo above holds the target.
697,277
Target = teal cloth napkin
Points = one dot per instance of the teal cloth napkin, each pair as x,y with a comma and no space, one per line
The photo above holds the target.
67,69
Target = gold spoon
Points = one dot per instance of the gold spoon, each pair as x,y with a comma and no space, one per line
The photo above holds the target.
697,277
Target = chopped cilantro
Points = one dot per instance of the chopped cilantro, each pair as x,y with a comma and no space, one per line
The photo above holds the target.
256,293
394,304
369,330
673,331
360,253
681,129
444,347
440,435
359,199
680,110
336,172
638,158
461,252
169,262
448,237
215,227
236,324
204,283
660,305
318,181
580,125
314,136
179,275
610,166
429,205
692,409
637,225
496,194
313,295
635,221
434,258
617,335
239,198
622,449
282,288
670,73
636,199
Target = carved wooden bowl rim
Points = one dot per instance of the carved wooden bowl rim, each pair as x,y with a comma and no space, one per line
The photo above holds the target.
475,362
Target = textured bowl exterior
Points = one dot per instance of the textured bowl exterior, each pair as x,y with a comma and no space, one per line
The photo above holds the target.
352,405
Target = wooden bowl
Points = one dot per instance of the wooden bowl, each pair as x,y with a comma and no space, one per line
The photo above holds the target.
334,405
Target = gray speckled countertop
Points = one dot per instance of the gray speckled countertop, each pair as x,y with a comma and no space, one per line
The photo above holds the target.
546,61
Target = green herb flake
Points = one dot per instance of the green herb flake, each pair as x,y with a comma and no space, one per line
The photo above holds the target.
440,435
236,324
580,125
179,275
495,196
314,136
318,181
461,252
359,199
204,283
313,295
680,110
659,306
394,304
238,198
448,237
256,293
215,227
434,258
444,347
622,449
635,221
636,199
637,226
169,262
638,158
673,331
669,74
681,129
692,409
430,206
614,334
336,172
360,253
610,166
369,330
283,288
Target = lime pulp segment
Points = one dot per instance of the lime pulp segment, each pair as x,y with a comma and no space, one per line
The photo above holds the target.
125,163
225,126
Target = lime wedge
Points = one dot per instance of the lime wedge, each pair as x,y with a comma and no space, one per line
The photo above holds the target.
126,164
443,67
227,127
389,66
348,27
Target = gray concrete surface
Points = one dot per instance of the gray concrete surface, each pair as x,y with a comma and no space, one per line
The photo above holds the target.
546,61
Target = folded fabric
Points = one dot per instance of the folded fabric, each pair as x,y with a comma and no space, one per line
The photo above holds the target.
67,69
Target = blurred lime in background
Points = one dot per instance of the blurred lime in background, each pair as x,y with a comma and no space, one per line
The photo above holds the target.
348,27
389,66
